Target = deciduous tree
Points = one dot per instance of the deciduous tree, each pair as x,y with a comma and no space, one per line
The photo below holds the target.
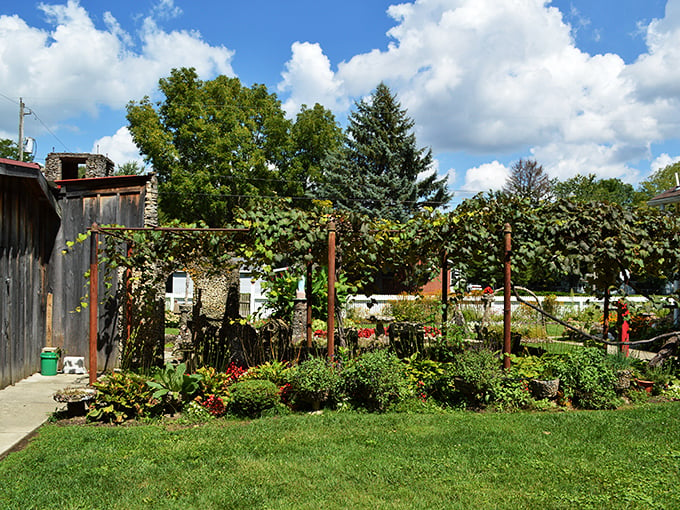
528,181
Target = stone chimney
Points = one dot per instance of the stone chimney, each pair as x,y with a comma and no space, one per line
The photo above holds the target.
64,165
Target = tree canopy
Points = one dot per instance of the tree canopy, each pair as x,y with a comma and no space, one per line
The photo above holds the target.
379,171
527,180
582,188
217,145
660,181
10,150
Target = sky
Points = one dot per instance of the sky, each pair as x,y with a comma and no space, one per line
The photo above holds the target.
581,86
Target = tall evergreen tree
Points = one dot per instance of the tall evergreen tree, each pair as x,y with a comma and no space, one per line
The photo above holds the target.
379,171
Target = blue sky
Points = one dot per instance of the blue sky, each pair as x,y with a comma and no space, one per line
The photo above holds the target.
582,86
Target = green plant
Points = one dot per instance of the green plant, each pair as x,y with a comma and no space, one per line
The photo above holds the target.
251,397
315,381
476,371
278,372
531,367
586,378
374,380
421,309
445,348
431,379
510,394
122,396
174,386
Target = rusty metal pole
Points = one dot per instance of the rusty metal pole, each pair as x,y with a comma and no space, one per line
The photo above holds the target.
330,328
507,313
128,300
94,301
445,292
308,293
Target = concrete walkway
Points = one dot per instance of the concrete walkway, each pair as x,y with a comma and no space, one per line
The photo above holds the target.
28,404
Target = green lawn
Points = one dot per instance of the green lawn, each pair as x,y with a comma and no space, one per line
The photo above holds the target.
599,459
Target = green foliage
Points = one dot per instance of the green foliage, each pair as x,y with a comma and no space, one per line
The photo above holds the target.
446,348
213,382
511,394
419,309
586,377
174,386
660,181
581,188
377,170
315,381
10,150
476,372
278,372
130,168
251,397
430,379
123,396
374,380
218,145
280,290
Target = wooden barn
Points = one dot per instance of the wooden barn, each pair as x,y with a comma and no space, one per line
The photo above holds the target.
29,223
41,288
128,200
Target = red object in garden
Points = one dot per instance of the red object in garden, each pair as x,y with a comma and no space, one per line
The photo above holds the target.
624,318
487,290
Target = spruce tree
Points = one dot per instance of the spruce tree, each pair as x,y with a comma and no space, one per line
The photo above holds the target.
379,171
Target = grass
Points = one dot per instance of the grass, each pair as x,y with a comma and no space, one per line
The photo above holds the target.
607,459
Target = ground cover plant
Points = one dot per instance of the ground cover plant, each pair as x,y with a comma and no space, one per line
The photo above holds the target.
602,459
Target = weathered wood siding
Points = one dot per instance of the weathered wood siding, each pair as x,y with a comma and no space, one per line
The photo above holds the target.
113,200
28,226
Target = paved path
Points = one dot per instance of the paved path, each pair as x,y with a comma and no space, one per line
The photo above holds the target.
28,404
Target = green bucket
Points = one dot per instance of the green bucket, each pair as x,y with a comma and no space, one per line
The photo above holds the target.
48,363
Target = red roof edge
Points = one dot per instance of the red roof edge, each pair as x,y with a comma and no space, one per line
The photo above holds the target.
25,164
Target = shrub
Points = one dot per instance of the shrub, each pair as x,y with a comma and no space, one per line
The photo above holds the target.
250,398
421,309
374,380
278,372
314,382
123,396
445,348
431,379
586,377
475,372
217,383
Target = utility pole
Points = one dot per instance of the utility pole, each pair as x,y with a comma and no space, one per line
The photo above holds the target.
22,113
20,145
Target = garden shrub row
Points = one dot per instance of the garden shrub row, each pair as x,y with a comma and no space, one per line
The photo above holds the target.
377,381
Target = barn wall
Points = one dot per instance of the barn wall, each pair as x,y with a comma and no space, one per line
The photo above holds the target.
28,226
114,200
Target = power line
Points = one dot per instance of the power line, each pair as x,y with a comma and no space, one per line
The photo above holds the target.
49,130
283,197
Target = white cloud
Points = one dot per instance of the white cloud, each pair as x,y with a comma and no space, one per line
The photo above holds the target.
166,9
119,147
76,67
501,77
309,79
489,176
662,161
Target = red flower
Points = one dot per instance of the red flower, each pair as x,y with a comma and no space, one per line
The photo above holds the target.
487,290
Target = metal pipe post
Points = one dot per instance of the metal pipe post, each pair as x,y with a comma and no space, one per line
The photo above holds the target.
330,328
308,293
507,311
94,301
